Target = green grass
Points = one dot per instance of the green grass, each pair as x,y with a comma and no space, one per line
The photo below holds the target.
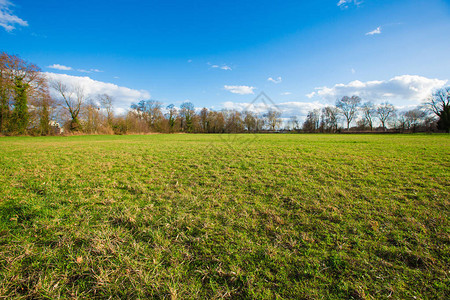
225,216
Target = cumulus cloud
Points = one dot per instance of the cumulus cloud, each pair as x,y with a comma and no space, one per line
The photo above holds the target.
398,90
122,96
240,89
8,20
60,67
276,81
375,31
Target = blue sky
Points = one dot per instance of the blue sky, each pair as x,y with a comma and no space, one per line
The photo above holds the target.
303,54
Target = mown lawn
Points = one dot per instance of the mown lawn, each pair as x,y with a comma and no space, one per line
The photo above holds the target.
225,216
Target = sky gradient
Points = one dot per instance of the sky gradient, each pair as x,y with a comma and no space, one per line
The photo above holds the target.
302,54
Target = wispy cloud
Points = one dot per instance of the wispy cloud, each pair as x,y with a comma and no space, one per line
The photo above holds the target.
286,93
8,20
276,81
310,95
375,31
67,68
222,67
89,71
346,3
398,90
240,89
59,67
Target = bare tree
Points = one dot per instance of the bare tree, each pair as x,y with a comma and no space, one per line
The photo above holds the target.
106,102
368,111
312,121
294,123
413,118
330,116
384,112
91,117
154,113
150,112
273,119
250,121
72,98
348,107
260,123
216,122
439,104
204,119
233,121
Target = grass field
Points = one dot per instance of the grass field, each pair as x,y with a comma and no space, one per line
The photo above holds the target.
225,216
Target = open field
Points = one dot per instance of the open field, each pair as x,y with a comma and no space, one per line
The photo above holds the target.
225,216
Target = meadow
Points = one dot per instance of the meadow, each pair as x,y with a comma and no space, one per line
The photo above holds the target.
189,216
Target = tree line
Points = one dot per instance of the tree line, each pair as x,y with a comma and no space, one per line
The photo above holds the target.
431,116
26,107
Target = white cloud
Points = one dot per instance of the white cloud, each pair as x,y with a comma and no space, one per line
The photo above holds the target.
296,108
398,90
311,95
240,89
276,81
90,71
123,96
66,68
286,93
287,109
223,67
8,20
346,3
342,2
60,67
376,31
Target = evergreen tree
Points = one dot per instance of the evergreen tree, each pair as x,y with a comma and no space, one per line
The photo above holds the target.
20,117
44,122
4,107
